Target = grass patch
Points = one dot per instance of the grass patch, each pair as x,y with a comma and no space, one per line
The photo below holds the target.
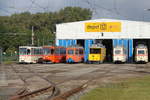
131,89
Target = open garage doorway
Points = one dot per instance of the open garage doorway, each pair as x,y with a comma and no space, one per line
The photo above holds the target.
81,43
108,43
141,41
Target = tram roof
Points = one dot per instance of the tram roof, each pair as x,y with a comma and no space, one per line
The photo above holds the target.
141,46
75,46
97,46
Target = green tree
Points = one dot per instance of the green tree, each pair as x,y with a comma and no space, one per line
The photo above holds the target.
15,30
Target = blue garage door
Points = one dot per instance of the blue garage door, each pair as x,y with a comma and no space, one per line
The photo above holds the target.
88,43
66,43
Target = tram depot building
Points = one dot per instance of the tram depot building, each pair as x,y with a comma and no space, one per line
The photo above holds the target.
111,32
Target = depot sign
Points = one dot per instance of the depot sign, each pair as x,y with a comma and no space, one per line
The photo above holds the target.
103,27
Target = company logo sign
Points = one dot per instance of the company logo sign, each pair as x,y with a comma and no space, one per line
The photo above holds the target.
103,27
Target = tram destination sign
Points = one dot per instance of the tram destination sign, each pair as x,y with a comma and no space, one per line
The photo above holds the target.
103,27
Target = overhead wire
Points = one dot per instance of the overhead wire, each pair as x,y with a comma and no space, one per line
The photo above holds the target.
4,10
117,12
35,3
31,7
114,10
115,6
92,5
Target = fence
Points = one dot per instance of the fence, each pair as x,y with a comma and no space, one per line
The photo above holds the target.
4,57
10,58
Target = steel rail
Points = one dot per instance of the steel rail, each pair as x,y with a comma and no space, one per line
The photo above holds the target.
23,92
32,94
56,90
69,93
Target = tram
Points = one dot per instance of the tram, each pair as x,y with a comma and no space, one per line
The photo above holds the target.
54,54
119,54
74,54
97,53
141,53
48,52
30,54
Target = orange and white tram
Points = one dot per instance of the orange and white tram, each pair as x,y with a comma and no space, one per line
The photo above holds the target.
141,53
30,54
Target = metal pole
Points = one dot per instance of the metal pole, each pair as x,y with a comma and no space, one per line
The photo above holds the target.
32,36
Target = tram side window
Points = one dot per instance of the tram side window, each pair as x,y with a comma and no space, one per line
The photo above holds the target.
46,51
41,51
22,51
38,51
62,51
95,51
57,51
34,51
80,51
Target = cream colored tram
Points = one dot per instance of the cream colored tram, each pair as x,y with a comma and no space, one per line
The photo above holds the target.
119,54
30,54
141,53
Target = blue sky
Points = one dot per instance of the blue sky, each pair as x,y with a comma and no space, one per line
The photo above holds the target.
119,9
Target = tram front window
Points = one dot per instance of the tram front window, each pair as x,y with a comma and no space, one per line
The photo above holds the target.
80,51
23,51
95,51
117,51
70,52
140,51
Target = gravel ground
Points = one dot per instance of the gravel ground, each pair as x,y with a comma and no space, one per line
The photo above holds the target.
67,76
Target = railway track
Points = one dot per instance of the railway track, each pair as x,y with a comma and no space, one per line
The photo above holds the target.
24,93
53,88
